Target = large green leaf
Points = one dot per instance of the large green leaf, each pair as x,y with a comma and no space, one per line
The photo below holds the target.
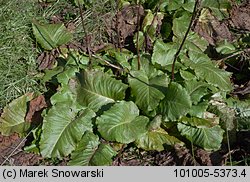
50,36
122,123
174,4
201,132
69,83
199,109
205,69
145,84
120,57
63,127
180,24
164,53
156,139
187,75
219,4
196,90
176,103
189,5
98,89
195,43
90,152
13,116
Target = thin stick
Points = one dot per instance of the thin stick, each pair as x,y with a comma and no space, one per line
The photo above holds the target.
157,9
87,38
117,26
118,158
137,37
151,25
185,37
108,63
234,54
15,149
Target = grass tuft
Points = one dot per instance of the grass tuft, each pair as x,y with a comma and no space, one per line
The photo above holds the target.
17,54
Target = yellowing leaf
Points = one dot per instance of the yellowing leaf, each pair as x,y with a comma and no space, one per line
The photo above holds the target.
13,116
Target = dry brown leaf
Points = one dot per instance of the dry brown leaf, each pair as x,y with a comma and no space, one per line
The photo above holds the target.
35,105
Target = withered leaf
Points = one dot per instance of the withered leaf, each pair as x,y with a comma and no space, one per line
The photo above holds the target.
35,105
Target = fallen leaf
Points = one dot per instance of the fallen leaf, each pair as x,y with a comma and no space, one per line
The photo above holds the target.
35,105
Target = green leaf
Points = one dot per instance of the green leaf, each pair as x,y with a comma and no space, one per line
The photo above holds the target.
164,53
68,89
50,36
155,123
90,152
225,47
13,117
120,57
78,60
196,90
201,132
50,74
63,94
180,24
205,69
213,75
196,122
219,4
195,43
174,4
199,109
122,123
219,8
176,103
145,85
63,127
156,139
141,40
242,116
98,89
186,75
189,5
64,77
150,23
34,146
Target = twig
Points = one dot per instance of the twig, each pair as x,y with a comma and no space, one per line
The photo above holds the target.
108,63
151,25
185,37
117,26
231,66
87,38
137,36
16,148
234,54
118,158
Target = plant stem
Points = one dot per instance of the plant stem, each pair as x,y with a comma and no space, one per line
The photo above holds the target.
151,25
117,26
108,63
137,36
185,37
87,38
